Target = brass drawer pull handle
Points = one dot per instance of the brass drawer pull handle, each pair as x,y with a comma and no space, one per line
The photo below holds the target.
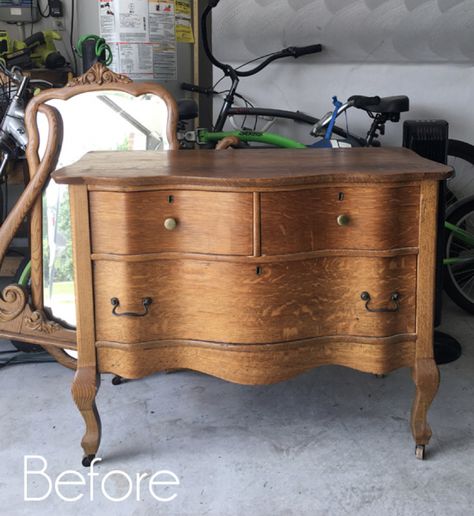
343,220
147,301
394,298
170,224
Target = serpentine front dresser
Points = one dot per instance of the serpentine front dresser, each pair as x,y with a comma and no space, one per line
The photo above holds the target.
253,266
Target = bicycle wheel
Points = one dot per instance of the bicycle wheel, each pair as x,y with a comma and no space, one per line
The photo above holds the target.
461,158
459,254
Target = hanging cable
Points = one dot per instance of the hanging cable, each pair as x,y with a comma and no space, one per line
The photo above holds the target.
43,13
101,47
71,35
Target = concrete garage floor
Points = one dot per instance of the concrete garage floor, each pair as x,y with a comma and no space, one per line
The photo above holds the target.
332,441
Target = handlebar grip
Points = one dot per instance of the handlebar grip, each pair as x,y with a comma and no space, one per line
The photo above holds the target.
196,89
360,101
302,51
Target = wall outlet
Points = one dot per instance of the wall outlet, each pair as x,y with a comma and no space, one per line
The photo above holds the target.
59,24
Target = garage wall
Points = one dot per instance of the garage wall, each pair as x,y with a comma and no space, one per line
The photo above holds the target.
47,24
87,22
420,48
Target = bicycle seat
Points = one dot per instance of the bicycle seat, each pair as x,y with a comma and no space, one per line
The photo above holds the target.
390,105
187,109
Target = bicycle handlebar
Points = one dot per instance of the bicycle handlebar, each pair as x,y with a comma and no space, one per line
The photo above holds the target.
303,51
186,86
287,52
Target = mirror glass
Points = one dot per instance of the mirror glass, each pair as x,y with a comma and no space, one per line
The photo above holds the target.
105,120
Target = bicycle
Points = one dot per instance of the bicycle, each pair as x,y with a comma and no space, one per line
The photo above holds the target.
210,138
381,110
16,91
461,153
459,253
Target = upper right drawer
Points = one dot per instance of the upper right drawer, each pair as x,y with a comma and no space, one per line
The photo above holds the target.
365,217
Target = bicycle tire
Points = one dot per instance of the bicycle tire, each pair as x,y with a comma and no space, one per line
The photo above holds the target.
459,278
462,184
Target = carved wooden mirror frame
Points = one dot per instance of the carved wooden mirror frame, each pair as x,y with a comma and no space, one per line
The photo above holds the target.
22,318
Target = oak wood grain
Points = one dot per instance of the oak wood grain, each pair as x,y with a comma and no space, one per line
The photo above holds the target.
207,222
426,282
302,221
260,167
83,283
425,371
86,380
258,364
425,375
294,257
260,319
244,303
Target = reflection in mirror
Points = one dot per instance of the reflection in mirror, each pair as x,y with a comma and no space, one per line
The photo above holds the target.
94,120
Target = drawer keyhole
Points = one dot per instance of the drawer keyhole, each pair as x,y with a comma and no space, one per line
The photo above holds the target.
259,270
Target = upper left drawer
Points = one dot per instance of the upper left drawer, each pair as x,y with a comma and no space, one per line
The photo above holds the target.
171,221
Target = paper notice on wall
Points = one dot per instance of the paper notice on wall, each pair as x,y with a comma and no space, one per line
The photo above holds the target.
107,20
163,33
145,61
142,36
134,59
164,62
133,20
162,21
184,24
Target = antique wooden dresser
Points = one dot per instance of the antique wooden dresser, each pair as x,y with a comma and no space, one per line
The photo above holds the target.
253,266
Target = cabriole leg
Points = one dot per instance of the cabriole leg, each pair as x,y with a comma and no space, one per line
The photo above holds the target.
426,377
84,389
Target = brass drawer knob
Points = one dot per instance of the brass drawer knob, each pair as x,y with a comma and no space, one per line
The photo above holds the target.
170,224
343,220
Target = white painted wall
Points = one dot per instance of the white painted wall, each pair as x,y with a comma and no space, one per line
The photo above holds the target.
420,48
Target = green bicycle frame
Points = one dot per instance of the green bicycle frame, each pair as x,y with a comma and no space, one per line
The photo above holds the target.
25,275
204,136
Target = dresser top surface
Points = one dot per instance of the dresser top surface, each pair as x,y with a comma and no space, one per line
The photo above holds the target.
253,167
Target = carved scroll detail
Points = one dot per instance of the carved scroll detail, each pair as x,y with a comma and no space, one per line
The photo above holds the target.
12,302
38,321
99,74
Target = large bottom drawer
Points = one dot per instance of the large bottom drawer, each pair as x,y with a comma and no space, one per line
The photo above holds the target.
242,303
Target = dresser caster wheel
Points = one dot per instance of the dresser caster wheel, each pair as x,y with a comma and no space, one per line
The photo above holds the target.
87,460
420,451
117,380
